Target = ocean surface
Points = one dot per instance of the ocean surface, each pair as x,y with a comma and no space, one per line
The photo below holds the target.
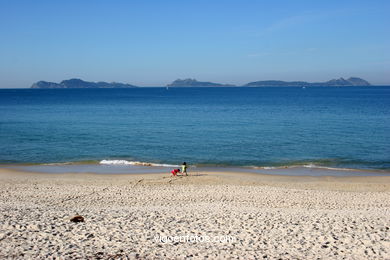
345,127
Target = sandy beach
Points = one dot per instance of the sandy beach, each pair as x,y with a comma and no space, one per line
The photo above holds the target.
247,216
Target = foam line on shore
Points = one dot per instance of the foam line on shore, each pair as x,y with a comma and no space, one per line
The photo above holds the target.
310,166
136,163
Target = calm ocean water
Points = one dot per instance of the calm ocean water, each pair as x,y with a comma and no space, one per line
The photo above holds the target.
335,127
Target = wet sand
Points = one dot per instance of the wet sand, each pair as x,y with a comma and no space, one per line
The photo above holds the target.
268,216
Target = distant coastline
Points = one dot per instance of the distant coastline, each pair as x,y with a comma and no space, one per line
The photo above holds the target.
341,82
78,83
179,83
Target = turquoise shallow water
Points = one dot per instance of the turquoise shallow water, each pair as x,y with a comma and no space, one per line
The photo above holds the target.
335,127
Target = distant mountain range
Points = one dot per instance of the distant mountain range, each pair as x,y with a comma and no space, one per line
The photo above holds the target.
341,82
78,83
274,83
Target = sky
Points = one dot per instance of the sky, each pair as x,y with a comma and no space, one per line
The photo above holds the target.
152,43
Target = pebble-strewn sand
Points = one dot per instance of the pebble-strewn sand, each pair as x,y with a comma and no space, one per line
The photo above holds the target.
271,217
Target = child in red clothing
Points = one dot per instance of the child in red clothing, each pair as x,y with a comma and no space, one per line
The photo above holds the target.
175,172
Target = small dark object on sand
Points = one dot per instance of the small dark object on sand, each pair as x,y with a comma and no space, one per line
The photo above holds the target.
77,219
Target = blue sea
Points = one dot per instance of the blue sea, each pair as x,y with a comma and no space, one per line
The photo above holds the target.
346,127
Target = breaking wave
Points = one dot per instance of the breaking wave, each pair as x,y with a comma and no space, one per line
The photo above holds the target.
135,163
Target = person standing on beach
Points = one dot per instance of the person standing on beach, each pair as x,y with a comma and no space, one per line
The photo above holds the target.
184,168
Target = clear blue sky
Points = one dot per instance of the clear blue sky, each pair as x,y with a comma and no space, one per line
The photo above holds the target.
151,43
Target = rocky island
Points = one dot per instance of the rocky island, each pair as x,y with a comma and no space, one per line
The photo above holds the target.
78,83
341,82
195,83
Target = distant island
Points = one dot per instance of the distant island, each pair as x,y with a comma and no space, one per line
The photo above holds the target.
341,82
78,83
353,81
195,83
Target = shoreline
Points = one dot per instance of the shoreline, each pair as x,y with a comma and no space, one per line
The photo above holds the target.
380,183
145,168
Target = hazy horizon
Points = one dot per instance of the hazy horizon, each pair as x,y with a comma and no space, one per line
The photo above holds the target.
233,42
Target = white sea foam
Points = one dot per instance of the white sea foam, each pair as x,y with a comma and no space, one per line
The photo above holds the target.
327,168
57,164
310,166
136,163
268,168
